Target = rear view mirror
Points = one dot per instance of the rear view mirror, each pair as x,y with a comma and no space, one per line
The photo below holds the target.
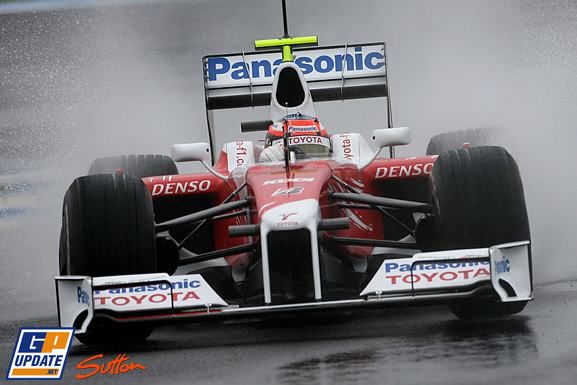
191,152
254,126
385,137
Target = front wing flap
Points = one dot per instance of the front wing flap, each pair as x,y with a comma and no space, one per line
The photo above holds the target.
432,276
506,266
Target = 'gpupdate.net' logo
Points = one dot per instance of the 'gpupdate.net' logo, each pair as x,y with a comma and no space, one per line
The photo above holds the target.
40,354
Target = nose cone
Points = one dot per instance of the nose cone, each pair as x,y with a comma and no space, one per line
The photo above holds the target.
272,187
291,216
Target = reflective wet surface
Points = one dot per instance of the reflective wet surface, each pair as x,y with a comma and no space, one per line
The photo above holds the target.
424,345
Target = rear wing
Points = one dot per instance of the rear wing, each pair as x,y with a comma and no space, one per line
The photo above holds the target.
245,79
333,73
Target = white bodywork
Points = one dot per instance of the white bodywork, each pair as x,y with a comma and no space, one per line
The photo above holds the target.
190,152
397,136
457,268
306,216
352,148
277,111
240,153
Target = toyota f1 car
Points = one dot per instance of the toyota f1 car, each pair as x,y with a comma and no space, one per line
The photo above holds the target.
326,223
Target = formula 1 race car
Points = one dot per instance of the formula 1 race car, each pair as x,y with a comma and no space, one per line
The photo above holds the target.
305,222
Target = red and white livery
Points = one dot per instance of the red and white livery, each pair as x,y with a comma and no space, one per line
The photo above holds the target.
330,224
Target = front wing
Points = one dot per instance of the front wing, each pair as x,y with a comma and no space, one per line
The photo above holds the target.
160,298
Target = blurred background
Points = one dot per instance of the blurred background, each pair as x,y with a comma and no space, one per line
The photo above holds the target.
84,79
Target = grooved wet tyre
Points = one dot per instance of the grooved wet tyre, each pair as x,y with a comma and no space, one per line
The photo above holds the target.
137,165
478,200
140,166
454,140
107,227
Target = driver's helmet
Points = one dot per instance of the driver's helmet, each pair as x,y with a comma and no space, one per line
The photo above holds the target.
307,137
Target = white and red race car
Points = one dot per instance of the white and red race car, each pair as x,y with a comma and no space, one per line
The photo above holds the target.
308,222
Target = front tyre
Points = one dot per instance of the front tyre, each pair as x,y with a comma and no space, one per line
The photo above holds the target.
108,229
478,200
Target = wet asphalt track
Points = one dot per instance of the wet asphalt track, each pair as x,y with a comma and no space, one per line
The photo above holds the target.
394,346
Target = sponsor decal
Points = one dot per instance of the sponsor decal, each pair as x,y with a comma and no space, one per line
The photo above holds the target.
435,273
315,65
286,224
302,128
239,154
183,284
145,299
288,191
148,295
304,139
287,180
173,188
502,266
296,140
119,365
40,354
82,296
404,171
347,148
284,220
284,217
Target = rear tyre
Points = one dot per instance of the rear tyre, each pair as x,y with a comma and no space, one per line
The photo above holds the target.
478,200
137,165
455,140
108,229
